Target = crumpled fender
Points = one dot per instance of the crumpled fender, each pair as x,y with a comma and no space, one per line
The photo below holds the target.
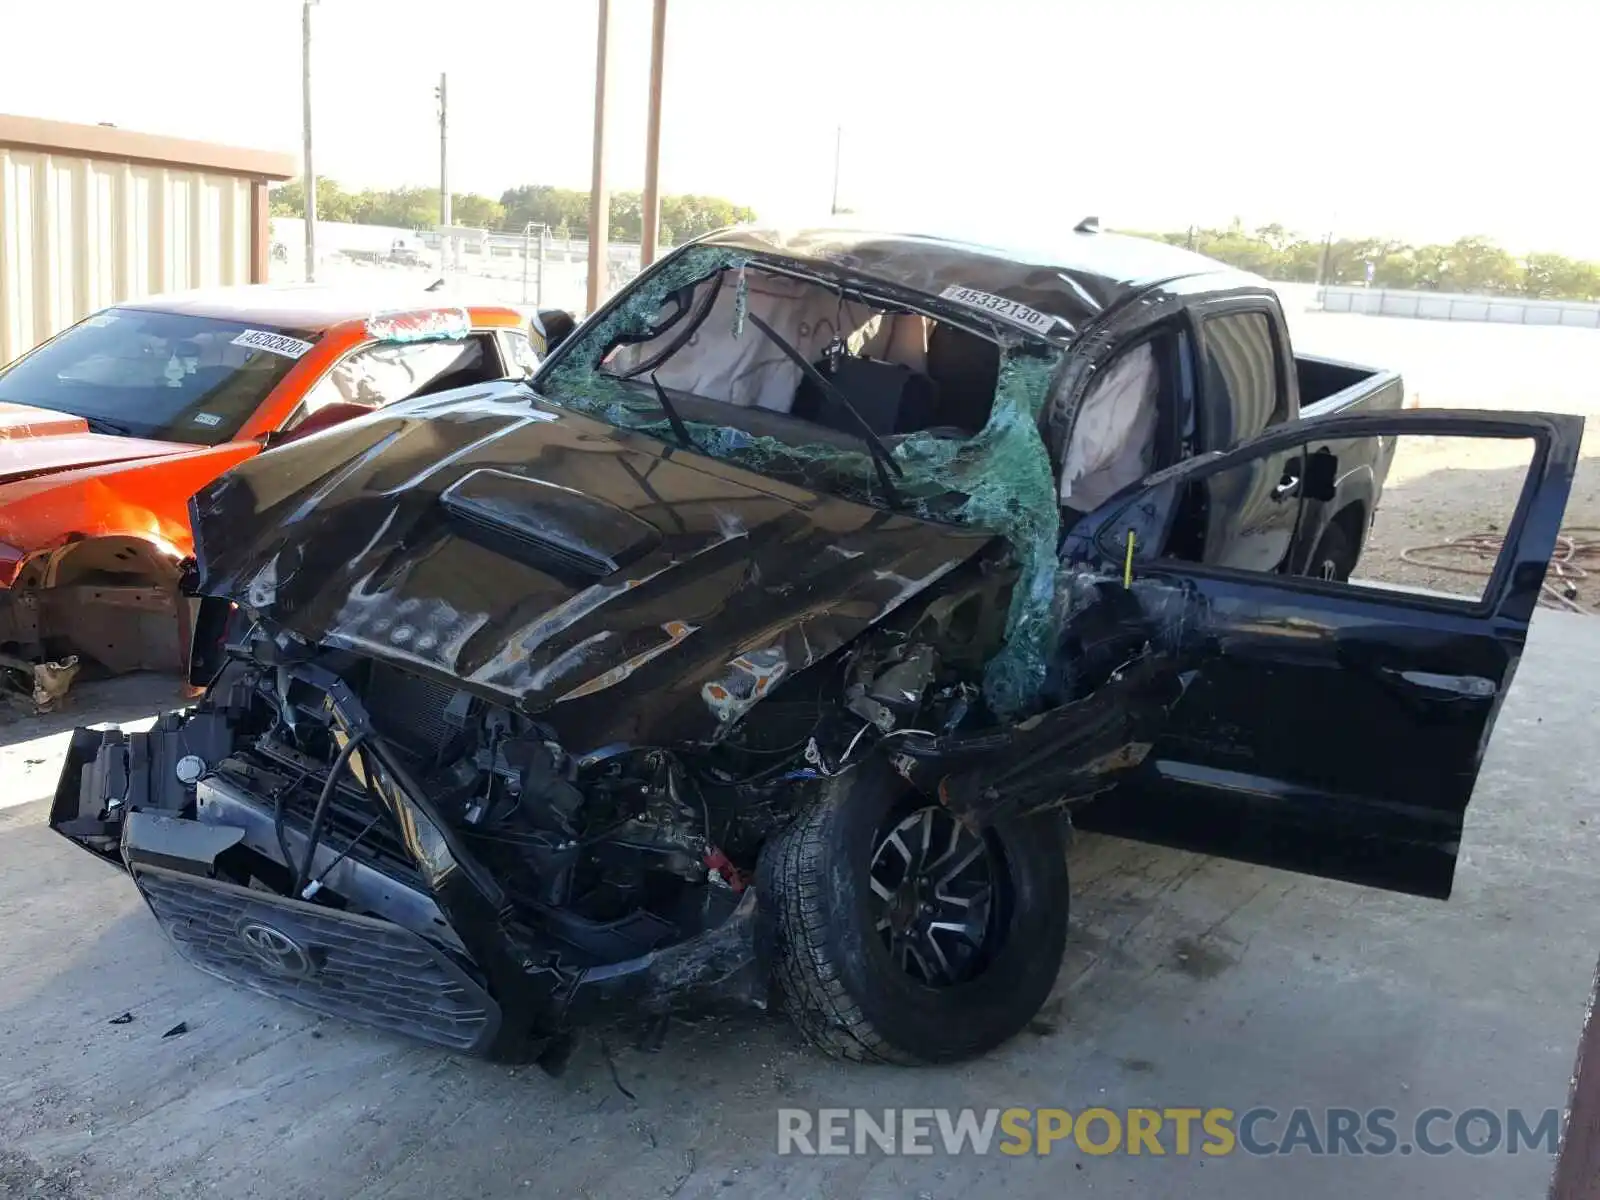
145,498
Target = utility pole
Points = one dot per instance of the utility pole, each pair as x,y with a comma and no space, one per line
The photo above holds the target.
444,156
838,144
651,213
311,174
599,196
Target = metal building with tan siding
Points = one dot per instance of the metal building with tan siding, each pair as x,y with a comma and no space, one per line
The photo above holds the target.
91,215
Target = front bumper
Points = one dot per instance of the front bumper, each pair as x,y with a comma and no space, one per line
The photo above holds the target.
376,972
365,970
420,940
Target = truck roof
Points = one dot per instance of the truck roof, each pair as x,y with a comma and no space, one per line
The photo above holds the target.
312,307
1077,276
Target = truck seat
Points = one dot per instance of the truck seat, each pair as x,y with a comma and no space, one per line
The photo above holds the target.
966,370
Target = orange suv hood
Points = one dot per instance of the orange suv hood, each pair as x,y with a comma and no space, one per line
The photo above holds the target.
37,441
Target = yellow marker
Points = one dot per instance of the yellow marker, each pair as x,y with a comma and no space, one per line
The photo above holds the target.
1127,564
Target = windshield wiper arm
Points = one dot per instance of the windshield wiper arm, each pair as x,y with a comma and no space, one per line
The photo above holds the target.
667,406
882,461
101,425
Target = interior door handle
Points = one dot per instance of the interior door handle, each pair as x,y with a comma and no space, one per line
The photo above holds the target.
1289,487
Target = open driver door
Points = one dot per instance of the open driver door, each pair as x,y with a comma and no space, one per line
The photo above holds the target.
1332,728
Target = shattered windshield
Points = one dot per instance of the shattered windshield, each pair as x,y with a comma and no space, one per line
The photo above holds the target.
166,376
958,413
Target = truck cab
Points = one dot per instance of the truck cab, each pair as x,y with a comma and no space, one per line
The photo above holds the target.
1199,365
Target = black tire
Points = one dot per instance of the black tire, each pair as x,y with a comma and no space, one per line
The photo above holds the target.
835,975
1335,555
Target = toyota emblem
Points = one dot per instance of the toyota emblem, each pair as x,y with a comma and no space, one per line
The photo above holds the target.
275,950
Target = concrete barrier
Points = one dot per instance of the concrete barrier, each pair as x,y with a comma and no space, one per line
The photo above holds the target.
1449,306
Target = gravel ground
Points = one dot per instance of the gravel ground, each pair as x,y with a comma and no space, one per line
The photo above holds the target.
1188,981
1443,488
1448,489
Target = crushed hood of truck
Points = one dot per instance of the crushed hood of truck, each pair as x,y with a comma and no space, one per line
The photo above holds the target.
540,558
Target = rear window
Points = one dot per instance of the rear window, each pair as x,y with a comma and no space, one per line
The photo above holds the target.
157,375
1243,396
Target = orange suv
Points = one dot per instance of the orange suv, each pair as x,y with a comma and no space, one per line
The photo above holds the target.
108,428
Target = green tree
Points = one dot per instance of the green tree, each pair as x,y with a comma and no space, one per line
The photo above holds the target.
1397,270
687,216
1469,264
478,212
1552,276
1301,261
545,205
1478,265
289,200
1275,236
627,216
405,207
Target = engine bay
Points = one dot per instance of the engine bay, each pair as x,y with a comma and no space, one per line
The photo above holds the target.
364,790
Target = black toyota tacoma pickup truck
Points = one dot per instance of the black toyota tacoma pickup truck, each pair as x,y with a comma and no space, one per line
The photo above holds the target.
768,642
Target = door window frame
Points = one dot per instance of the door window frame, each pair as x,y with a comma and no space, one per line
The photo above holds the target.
1172,337
505,337
1201,316
1534,427
298,413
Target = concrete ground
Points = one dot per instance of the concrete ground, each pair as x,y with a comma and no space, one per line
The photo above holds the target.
1188,981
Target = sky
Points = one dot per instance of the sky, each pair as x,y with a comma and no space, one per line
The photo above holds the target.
1422,119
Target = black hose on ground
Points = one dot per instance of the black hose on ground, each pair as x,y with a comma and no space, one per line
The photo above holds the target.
302,873
1574,559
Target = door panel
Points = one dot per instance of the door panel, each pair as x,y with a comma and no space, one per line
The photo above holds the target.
1247,517
1323,727
1251,513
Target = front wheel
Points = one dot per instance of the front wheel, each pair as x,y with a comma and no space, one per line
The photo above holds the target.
904,937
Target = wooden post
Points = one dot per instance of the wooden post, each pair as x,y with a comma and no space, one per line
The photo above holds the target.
305,134
1577,1174
651,214
599,196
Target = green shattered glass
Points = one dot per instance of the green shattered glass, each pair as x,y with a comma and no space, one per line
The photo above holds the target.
999,480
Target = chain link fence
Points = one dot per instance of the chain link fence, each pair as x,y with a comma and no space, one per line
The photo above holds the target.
532,269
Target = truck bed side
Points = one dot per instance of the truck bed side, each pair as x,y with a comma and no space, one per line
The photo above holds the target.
1329,386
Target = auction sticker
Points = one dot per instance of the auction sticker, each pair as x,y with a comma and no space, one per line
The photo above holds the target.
273,343
1010,310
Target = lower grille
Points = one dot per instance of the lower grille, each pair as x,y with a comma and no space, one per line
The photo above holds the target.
359,968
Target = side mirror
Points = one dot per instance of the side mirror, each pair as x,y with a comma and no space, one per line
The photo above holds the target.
550,327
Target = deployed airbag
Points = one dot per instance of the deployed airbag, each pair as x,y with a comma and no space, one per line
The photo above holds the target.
1114,434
